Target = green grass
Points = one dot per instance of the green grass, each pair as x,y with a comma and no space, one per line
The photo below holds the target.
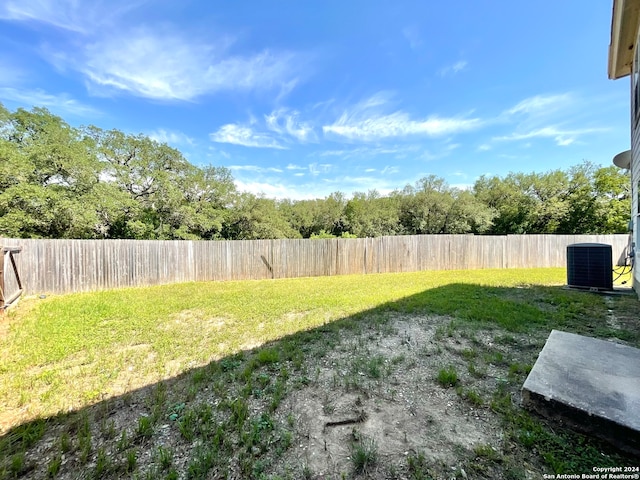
121,340
447,377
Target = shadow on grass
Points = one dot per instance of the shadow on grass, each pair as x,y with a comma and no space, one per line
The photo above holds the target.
104,440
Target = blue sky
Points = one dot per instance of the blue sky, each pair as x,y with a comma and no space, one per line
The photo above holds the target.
303,98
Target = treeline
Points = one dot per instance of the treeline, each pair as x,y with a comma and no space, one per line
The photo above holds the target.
58,181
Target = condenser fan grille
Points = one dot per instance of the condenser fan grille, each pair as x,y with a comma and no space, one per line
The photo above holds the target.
589,265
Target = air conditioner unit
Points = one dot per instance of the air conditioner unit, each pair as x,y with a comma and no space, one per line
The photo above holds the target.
589,265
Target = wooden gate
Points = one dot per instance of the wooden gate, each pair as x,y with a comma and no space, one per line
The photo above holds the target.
10,283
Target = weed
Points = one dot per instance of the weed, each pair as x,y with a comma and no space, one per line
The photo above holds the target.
494,358
486,451
473,370
519,369
417,466
447,377
132,461
172,474
202,461
164,457
307,472
157,402
268,356
54,466
328,407
196,421
65,442
103,464
398,359
108,429
18,464
469,353
291,420
278,394
84,444
124,442
472,397
364,453
145,427
199,376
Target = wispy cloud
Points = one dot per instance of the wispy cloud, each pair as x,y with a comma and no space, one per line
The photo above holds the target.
562,137
453,69
255,168
61,103
388,170
245,136
291,166
171,137
316,169
484,147
399,124
287,122
276,190
137,62
365,122
541,104
74,16
546,116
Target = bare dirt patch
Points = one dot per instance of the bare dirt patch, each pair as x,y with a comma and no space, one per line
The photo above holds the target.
382,387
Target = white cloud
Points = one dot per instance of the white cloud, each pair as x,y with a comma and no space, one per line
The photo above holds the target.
541,104
169,65
255,168
245,136
398,124
389,170
562,137
367,121
284,122
291,166
484,147
276,190
60,103
171,137
453,69
316,169
70,15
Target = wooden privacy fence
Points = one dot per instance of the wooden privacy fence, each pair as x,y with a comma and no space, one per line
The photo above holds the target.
61,266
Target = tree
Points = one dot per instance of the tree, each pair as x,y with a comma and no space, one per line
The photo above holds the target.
432,207
49,172
256,217
372,215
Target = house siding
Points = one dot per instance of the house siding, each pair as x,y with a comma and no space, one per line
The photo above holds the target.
635,178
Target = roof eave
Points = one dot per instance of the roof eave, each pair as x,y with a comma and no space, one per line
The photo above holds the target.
624,28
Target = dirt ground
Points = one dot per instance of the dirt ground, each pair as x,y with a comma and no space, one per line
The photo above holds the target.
406,411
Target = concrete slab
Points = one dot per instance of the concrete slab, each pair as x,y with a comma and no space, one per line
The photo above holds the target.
589,384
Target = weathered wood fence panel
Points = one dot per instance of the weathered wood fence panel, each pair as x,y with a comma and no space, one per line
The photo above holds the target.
60,266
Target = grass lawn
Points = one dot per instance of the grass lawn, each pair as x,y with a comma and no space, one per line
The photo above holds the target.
215,380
